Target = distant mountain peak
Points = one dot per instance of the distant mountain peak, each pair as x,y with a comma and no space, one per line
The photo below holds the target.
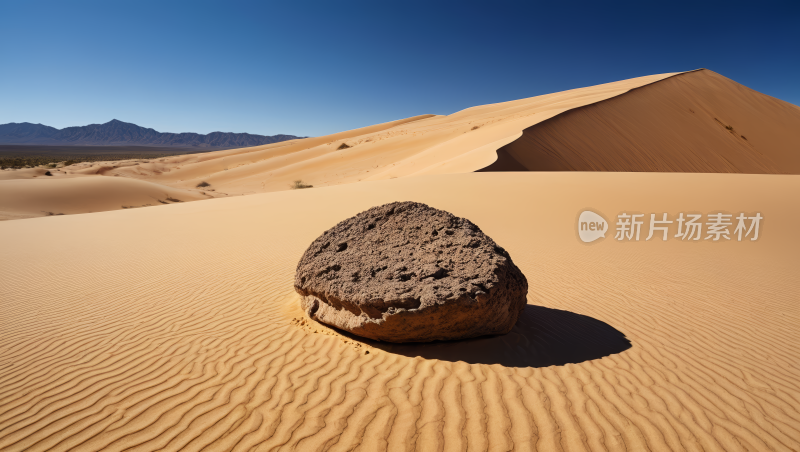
116,132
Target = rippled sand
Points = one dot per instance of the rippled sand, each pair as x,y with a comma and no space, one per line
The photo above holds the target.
176,327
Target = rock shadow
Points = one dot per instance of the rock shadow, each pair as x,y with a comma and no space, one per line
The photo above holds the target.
542,337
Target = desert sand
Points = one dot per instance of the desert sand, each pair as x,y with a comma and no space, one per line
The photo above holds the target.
28,198
177,328
696,121
138,320
427,144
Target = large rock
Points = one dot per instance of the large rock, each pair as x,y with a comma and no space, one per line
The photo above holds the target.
406,272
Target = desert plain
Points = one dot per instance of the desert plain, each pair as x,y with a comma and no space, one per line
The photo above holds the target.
175,326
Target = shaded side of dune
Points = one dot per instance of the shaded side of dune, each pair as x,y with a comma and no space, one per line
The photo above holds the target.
696,122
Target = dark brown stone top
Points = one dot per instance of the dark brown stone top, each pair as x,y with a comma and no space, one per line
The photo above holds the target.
407,256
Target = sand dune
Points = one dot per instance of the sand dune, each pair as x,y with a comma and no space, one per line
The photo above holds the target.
25,198
699,122
695,121
24,173
461,142
177,328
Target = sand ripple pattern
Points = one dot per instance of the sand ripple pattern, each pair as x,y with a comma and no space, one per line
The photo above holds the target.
166,345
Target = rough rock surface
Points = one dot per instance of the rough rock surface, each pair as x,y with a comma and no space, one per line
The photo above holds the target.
406,272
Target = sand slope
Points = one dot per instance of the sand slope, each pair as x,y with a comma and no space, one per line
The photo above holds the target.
464,141
697,122
172,328
427,144
63,196
25,173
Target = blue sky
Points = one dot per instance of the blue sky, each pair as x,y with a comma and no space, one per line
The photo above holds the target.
313,68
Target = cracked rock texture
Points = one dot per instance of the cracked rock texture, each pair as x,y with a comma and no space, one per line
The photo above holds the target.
406,272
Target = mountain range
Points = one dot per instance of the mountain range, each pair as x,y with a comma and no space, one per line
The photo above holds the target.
116,132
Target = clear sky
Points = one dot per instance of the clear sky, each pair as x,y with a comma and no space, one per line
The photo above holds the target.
313,68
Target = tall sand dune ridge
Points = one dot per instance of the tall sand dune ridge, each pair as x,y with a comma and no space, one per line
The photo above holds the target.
177,327
696,121
465,141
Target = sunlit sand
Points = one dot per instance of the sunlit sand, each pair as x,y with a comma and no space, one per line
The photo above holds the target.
176,326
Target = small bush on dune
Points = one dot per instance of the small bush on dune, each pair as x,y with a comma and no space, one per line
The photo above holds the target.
203,184
299,184
343,146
